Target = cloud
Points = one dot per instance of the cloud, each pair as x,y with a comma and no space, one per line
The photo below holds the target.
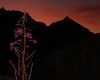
50,10
94,23
37,1
86,9
87,13
19,4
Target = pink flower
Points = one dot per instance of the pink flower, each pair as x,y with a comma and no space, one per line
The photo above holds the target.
19,40
34,41
18,30
12,44
27,46
29,35
16,36
11,48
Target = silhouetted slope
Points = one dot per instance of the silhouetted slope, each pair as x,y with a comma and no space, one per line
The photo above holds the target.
67,31
54,37
79,61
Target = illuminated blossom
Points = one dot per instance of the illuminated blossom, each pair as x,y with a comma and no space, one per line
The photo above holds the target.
11,44
34,41
19,40
18,30
11,48
16,36
29,35
27,46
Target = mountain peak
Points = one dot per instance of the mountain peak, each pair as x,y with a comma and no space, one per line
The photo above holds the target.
66,18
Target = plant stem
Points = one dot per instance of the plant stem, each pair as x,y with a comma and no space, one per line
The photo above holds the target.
23,57
24,51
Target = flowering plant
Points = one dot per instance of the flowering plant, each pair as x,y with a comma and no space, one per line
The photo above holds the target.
24,57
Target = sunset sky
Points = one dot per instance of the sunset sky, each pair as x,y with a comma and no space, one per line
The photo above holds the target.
85,12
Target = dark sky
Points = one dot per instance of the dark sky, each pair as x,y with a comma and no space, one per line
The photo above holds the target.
85,12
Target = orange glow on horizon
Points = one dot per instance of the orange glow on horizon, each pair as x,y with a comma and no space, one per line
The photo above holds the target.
81,11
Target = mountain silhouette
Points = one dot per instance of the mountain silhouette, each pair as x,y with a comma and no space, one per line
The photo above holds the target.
66,31
50,38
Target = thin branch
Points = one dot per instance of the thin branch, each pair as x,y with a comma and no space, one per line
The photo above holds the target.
18,47
19,44
17,53
19,65
15,73
27,54
18,50
30,61
30,71
30,55
14,67
18,24
28,41
29,29
20,34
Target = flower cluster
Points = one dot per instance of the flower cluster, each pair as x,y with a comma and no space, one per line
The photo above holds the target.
22,46
13,43
20,32
28,35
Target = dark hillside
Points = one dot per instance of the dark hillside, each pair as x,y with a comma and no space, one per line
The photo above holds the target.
80,61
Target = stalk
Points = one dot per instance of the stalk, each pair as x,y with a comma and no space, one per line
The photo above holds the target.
24,51
23,58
